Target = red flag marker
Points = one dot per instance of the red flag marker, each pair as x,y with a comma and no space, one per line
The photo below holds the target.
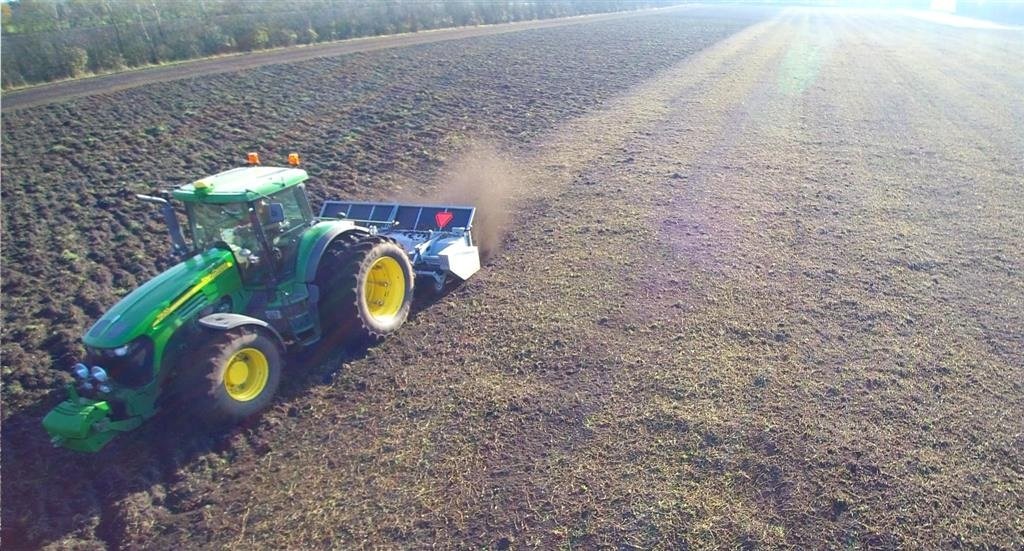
442,219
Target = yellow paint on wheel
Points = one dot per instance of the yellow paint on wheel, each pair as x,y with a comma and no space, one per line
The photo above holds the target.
247,374
384,289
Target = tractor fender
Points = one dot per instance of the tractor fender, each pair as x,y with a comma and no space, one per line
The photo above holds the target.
228,321
320,246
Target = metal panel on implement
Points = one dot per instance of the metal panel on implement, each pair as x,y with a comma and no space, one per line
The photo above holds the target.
437,238
403,217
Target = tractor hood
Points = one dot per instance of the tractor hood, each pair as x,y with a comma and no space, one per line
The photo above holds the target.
145,307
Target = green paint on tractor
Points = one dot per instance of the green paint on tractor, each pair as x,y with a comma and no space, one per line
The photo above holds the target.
240,185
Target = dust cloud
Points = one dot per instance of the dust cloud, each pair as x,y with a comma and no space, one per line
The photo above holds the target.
483,178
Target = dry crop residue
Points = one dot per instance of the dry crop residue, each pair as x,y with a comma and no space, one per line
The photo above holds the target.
766,297
371,125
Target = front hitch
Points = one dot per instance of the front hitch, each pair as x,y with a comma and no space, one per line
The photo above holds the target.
84,425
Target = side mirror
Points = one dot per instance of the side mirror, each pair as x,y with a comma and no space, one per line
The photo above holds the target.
178,246
276,213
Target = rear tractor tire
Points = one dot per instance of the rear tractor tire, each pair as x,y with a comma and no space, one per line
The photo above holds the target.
236,374
366,288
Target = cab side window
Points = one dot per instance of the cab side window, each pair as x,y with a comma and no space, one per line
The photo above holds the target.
291,201
283,236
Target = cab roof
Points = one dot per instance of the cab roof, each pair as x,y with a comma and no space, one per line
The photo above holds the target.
240,184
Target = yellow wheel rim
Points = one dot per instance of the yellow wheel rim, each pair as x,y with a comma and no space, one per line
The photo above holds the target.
384,289
247,374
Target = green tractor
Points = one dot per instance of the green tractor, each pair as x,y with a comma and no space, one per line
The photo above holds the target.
262,277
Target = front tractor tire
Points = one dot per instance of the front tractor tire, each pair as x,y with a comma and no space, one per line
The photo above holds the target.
236,374
366,288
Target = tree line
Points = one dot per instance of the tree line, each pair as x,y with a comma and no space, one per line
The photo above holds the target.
45,40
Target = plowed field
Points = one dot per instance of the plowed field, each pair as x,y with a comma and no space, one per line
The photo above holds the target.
761,286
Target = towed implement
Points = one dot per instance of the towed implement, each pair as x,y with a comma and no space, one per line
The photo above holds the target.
261,276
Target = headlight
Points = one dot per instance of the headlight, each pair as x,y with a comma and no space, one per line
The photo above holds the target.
99,374
80,371
123,351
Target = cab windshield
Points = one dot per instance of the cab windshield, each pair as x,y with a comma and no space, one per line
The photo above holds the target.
228,223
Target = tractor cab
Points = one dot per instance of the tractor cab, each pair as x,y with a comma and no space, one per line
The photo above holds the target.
259,213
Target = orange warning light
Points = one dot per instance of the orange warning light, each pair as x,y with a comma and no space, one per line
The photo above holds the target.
254,158
293,159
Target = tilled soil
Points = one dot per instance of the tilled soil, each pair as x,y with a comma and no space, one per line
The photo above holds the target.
62,91
768,296
368,125
371,125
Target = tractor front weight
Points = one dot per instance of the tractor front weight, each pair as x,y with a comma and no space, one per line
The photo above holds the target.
83,424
